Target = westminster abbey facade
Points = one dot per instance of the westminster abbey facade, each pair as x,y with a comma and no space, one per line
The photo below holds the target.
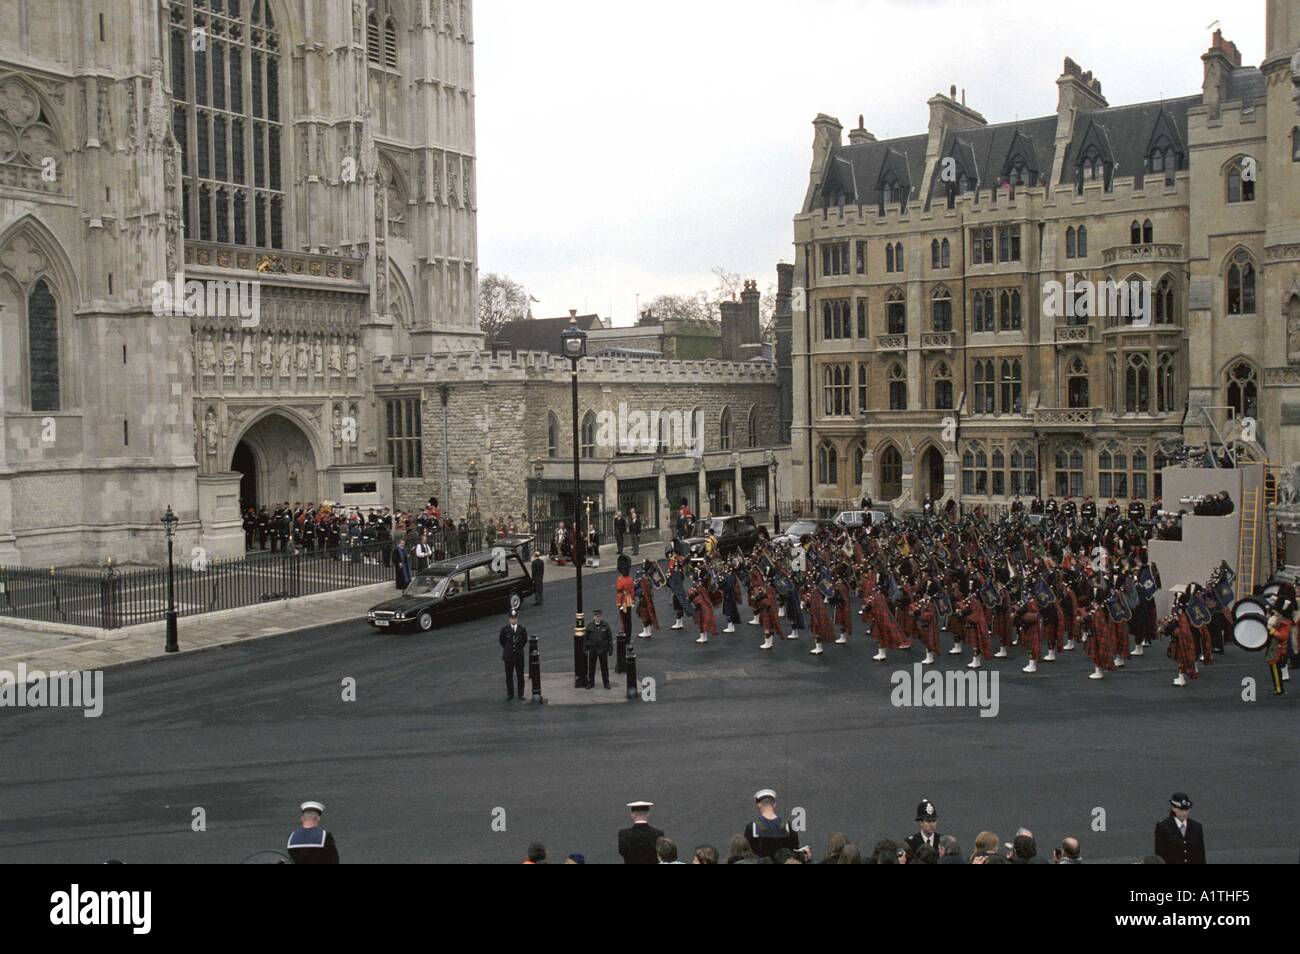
928,356
319,153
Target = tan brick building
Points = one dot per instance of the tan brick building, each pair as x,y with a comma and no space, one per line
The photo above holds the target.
925,356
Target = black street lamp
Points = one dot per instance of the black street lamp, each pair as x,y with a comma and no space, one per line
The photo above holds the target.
169,521
574,344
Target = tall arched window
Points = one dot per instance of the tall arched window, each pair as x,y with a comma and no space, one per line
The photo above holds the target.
859,462
975,470
897,388
1148,232
1010,381
587,436
552,436
1137,384
227,119
942,376
43,348
896,312
1024,469
945,254
982,309
390,44
1164,302
1009,310
1076,383
1241,180
724,430
1135,233
864,400
752,435
665,435
1069,242
1241,285
1243,390
374,45
1166,382
941,309
889,257
1112,472
934,253
1069,471
898,256
891,473
1083,241
984,387
828,464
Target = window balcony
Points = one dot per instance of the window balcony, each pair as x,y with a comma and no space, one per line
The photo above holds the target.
937,341
1066,417
1170,253
888,343
1074,334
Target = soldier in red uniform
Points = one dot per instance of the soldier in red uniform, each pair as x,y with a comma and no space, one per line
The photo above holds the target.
698,595
1029,626
927,624
645,606
1101,646
843,610
975,621
819,618
883,626
763,598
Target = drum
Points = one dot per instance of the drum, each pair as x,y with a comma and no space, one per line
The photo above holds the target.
1250,633
1250,606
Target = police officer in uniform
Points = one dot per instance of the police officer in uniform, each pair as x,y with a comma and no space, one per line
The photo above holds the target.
928,820
514,649
637,843
250,528
310,844
600,642
1179,839
539,576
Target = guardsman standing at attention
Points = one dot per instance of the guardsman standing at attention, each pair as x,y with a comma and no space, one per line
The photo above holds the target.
310,844
600,641
637,843
1179,839
514,647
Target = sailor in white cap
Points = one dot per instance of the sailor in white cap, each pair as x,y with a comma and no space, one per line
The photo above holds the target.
637,843
769,832
310,844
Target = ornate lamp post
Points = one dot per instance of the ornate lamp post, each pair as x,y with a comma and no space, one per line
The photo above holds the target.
169,521
475,521
573,342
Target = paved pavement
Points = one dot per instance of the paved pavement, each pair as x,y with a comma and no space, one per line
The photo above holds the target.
429,761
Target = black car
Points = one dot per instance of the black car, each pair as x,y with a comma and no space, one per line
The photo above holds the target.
733,532
450,590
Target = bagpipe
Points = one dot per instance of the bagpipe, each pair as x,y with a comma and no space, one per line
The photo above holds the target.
1117,609
1220,583
1045,595
1198,612
1149,580
989,595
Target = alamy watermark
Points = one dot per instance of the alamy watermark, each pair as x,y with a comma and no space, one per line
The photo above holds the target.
1128,300
636,431
935,689
35,689
209,298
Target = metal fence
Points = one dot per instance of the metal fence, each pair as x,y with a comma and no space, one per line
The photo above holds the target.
111,599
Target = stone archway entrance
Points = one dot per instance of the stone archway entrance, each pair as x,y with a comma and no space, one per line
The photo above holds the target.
930,474
245,464
279,456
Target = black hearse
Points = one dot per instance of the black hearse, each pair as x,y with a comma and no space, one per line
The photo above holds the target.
450,590
733,532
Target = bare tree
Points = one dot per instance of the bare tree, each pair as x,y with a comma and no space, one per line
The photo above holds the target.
500,299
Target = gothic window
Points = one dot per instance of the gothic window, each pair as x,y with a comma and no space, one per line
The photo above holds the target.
1139,474
43,347
828,464
1010,381
1148,232
1112,472
1241,180
1243,390
1069,471
975,470
1135,233
985,386
390,44
835,320
1009,310
1083,241
1295,144
587,436
1069,242
942,387
891,473
835,390
862,319
999,472
895,313
1166,382
861,262
752,428
724,430
982,309
934,253
889,257
1241,285
945,254
403,433
1076,383
1164,302
374,46
552,436
1024,470
227,120
898,256
1137,384
897,388
1009,243
941,309
864,403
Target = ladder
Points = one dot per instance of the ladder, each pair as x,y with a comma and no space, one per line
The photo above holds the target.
1248,544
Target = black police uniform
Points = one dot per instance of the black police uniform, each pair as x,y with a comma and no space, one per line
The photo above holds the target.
514,647
600,642
1176,849
539,577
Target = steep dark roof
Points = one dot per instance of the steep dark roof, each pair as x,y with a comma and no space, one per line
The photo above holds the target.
1247,82
1128,132
990,149
540,334
856,169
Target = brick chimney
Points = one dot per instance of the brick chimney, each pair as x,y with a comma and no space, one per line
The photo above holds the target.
827,135
1076,90
947,114
1220,60
733,329
860,135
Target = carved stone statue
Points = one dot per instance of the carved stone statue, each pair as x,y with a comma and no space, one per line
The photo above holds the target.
210,432
352,359
228,355
1288,491
268,355
335,360
318,357
338,425
248,355
207,355
303,356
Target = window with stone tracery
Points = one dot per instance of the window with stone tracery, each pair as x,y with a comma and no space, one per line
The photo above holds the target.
226,116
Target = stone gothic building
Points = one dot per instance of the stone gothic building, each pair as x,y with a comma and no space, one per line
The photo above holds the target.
924,358
312,158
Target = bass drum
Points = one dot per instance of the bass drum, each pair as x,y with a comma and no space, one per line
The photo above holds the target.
1250,633
1250,606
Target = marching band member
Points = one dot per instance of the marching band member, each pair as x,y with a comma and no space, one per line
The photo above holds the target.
699,597
1182,642
927,624
1280,628
764,600
677,584
843,603
1029,626
645,605
883,627
819,618
1100,644
976,623
729,584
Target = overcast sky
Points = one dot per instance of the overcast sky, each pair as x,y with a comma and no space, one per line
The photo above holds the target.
626,149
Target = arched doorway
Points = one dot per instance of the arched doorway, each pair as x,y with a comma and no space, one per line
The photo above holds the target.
931,473
245,464
891,473
283,462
